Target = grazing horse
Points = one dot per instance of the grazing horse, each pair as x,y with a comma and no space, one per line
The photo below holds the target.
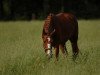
57,30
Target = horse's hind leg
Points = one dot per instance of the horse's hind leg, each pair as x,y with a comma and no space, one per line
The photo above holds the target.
63,49
74,46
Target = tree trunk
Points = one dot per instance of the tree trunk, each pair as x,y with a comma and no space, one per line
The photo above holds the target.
1,10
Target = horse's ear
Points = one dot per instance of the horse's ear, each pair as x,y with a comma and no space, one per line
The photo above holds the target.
51,14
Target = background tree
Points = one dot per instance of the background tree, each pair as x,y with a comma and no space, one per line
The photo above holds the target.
1,9
39,9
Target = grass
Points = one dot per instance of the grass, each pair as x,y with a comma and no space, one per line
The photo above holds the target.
21,51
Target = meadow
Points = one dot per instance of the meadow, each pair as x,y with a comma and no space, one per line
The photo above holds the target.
22,53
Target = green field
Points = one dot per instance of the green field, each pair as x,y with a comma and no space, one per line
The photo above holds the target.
21,50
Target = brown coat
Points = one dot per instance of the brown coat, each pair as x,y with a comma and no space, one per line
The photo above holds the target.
65,27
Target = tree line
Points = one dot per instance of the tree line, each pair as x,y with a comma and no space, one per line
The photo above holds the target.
39,9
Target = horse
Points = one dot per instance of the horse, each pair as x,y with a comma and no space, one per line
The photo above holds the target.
57,30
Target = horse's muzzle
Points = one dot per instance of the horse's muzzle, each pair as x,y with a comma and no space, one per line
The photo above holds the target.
49,54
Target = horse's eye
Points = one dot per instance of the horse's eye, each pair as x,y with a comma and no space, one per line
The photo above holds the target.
44,41
51,40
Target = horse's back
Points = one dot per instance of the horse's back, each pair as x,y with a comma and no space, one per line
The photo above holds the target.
67,18
67,26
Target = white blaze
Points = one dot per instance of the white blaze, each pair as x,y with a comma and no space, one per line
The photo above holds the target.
49,46
48,39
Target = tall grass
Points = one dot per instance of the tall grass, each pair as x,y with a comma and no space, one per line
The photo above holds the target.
21,51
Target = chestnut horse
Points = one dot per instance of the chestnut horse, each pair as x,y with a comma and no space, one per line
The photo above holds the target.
57,30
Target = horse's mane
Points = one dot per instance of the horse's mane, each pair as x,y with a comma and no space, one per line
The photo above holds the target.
47,23
48,19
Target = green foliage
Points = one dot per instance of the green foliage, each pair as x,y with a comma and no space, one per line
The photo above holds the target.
21,51
24,9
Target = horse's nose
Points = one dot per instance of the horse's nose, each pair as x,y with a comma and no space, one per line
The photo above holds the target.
49,54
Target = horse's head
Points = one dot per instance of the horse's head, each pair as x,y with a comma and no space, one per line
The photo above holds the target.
48,31
47,45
